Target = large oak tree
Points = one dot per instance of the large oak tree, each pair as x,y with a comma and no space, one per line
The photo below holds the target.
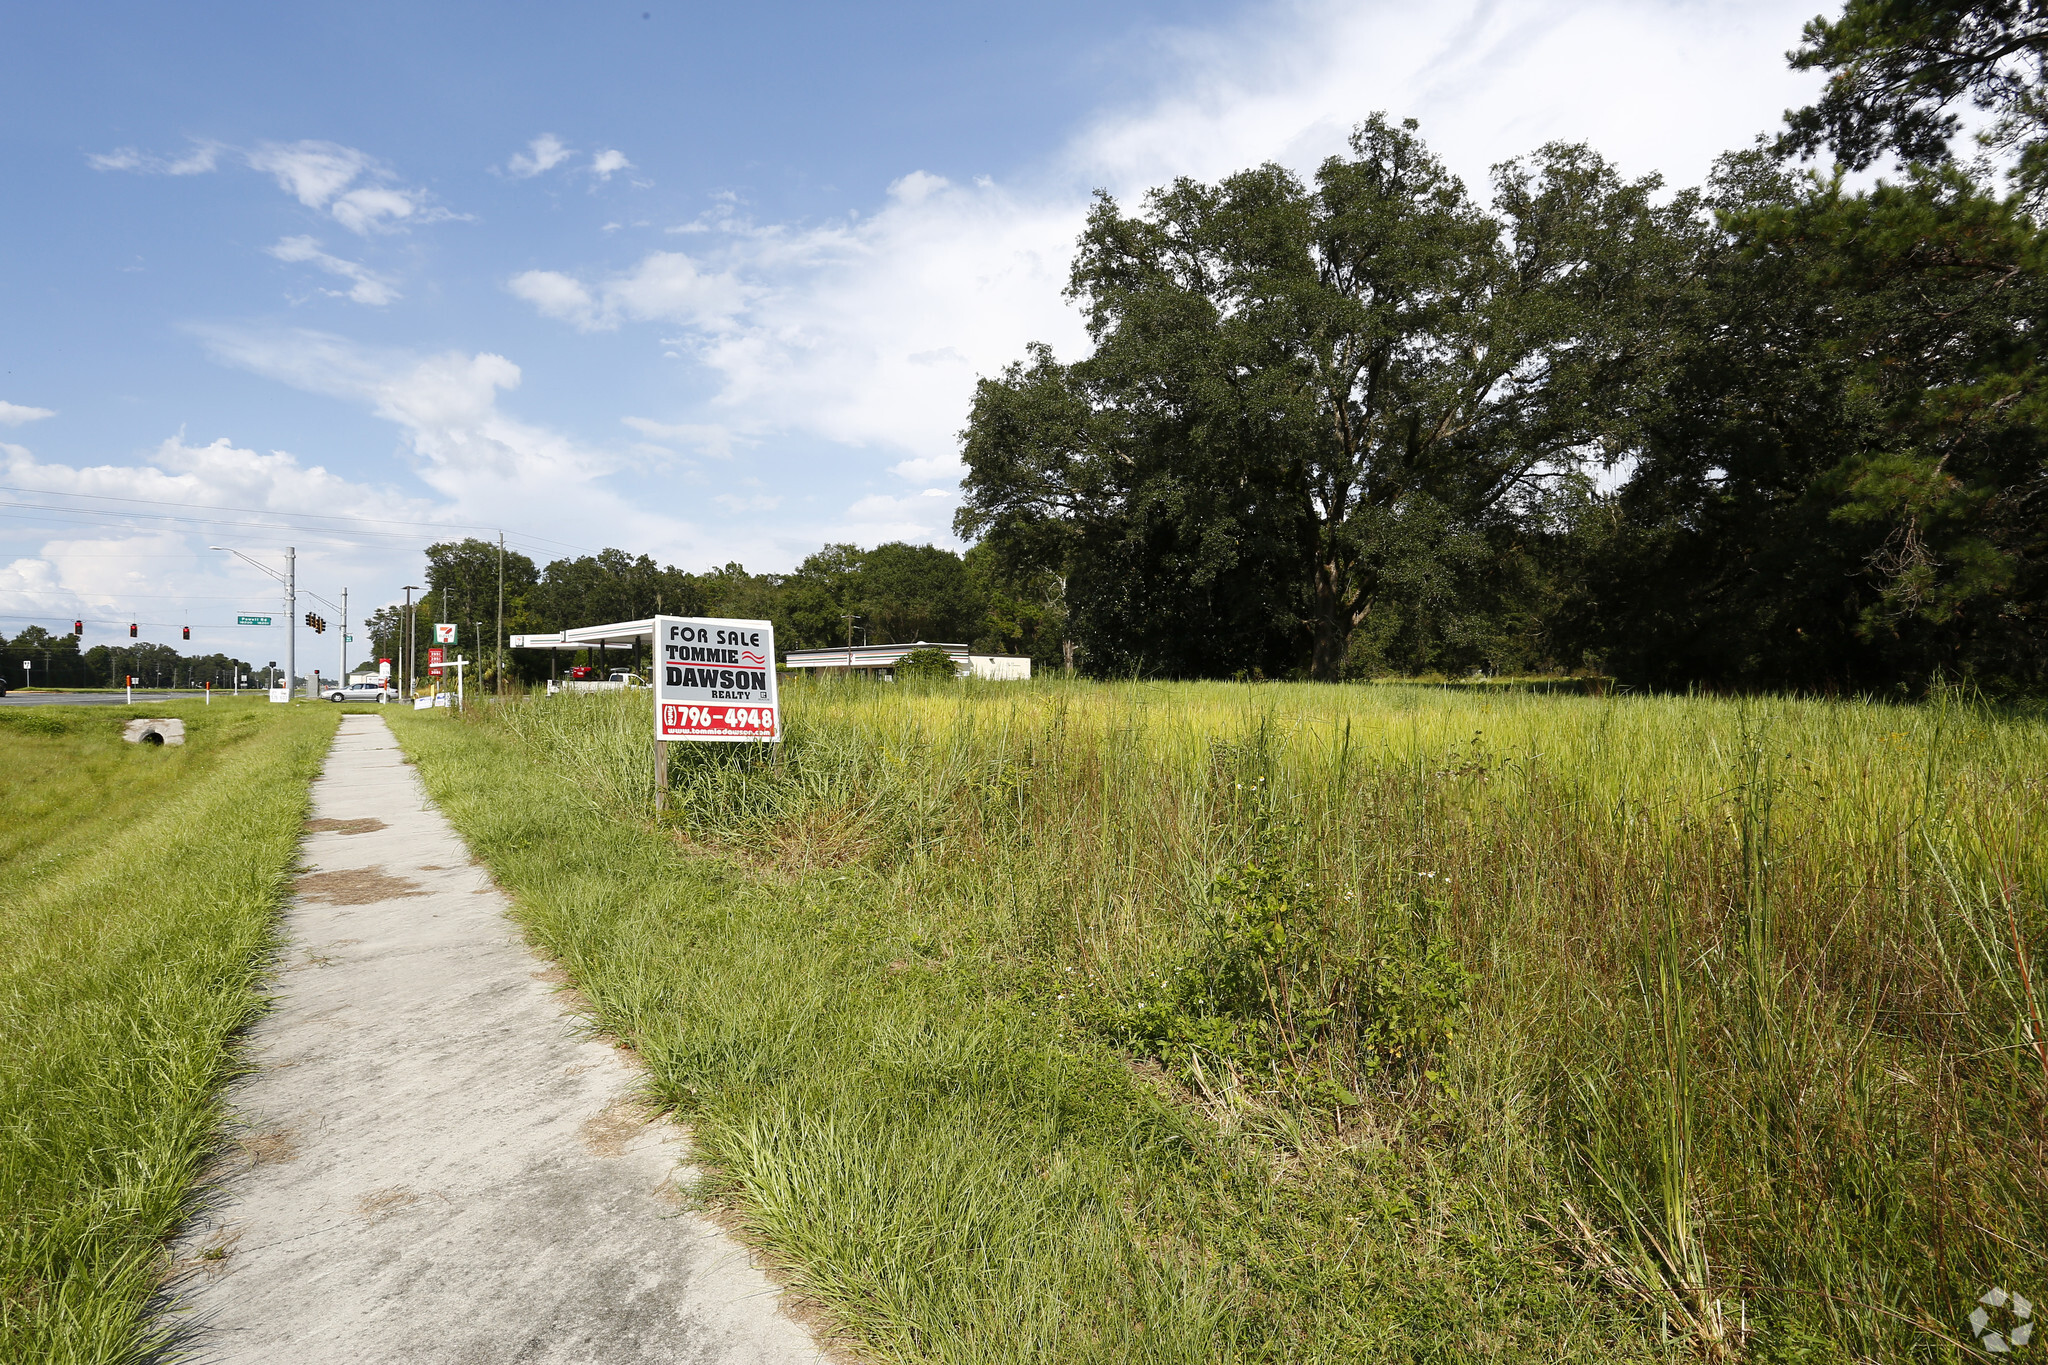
1296,388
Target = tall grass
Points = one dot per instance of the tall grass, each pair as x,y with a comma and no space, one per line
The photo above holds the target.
138,893
1735,1003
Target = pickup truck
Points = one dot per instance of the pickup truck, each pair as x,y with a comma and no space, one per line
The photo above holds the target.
585,679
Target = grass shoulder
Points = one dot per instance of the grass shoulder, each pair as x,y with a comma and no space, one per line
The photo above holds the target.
139,892
900,1108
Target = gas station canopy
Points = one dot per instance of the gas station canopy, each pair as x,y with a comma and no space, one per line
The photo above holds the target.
617,635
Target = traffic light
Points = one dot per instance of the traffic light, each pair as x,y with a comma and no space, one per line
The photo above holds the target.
318,623
188,632
78,627
131,630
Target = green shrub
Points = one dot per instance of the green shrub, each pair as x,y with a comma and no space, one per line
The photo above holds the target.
927,664
1268,991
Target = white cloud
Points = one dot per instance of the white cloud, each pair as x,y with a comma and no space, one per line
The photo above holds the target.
880,517
18,414
489,466
352,186
217,472
349,185
202,158
312,172
608,163
365,285
543,154
665,286
123,562
374,207
703,438
556,296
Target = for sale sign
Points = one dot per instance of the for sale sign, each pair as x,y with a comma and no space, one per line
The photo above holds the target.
715,679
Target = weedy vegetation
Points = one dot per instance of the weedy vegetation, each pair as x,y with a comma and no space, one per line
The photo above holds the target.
1207,1021
139,889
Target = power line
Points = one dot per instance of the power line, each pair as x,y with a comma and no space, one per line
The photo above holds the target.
115,515
273,512
297,534
87,595
154,625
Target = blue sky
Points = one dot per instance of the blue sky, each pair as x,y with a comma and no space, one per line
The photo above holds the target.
703,282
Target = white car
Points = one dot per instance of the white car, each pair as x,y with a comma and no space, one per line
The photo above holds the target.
364,691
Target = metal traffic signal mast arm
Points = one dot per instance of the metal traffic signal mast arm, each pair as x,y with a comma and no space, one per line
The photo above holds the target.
290,579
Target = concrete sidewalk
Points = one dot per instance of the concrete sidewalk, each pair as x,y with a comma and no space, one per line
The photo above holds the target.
434,1167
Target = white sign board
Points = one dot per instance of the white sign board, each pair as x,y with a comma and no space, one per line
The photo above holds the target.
444,632
715,680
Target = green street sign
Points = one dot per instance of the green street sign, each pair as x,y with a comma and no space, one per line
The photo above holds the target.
348,639
252,620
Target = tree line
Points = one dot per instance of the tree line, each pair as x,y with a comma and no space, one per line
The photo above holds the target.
891,594
57,661
1770,432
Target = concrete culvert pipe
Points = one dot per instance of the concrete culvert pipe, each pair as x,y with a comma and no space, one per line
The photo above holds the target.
154,732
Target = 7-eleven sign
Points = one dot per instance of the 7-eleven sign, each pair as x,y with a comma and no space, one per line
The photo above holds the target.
444,632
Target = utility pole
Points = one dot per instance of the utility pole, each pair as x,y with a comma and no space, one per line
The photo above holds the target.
342,681
291,620
850,619
406,650
501,613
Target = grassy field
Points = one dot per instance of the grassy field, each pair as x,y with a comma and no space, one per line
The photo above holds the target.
138,891
1202,1022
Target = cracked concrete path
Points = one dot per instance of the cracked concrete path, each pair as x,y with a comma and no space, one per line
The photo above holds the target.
434,1166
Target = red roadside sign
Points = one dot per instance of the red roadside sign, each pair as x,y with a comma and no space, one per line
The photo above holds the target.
436,656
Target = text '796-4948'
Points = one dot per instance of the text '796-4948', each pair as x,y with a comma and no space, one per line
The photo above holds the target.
715,679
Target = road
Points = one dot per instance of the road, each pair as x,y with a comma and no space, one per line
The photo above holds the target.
92,698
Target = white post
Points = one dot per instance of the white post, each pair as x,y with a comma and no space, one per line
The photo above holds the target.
129,680
458,682
344,639
209,694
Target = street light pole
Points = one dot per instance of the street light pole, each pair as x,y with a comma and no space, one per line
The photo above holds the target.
290,579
